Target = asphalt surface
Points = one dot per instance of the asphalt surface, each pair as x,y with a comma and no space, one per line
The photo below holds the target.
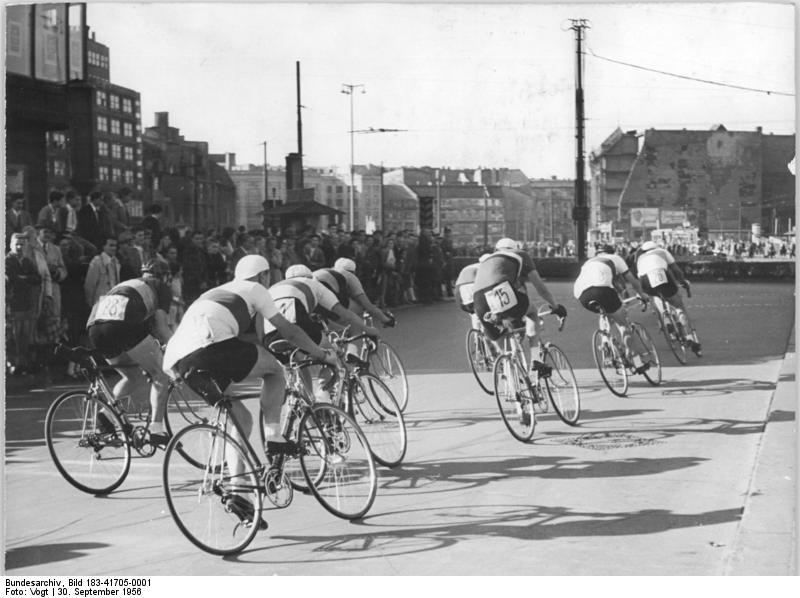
693,477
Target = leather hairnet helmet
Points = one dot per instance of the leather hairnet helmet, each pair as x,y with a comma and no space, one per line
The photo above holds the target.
345,263
648,245
249,266
298,271
505,243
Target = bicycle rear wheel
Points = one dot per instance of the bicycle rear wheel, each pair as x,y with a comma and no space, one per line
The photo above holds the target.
562,385
385,363
515,397
480,360
379,416
185,408
350,483
649,354
204,501
609,362
91,460
671,332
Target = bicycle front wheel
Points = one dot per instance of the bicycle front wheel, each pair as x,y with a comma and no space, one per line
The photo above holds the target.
93,455
649,354
379,416
515,397
385,363
480,359
217,506
609,362
562,385
350,481
669,326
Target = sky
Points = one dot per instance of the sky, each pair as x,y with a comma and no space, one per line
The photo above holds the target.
468,85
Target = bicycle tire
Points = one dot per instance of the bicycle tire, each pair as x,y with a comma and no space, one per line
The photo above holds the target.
653,373
195,495
667,322
515,397
609,364
385,363
91,462
479,361
562,386
350,483
377,413
184,408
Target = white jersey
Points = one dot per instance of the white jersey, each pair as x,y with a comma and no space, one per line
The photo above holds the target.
653,260
599,271
465,283
311,293
217,315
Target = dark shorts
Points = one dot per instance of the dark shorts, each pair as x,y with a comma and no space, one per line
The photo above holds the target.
516,313
113,338
304,321
666,290
467,307
606,297
227,361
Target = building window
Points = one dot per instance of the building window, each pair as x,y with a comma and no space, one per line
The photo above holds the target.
116,151
127,129
102,173
338,189
129,153
127,105
329,189
59,167
339,202
115,130
58,140
102,99
102,124
113,101
129,176
116,174
102,148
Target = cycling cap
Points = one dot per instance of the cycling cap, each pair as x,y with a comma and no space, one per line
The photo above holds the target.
606,249
345,263
298,271
155,267
505,243
484,257
249,266
648,245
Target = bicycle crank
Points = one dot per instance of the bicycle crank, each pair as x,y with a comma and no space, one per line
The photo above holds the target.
278,489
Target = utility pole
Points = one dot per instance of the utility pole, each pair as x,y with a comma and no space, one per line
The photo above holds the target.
580,213
382,206
300,125
349,89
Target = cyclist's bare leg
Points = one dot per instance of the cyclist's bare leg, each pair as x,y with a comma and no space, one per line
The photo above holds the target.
532,332
245,420
149,356
273,383
620,319
676,301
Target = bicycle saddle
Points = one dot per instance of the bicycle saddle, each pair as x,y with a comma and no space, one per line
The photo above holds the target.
282,347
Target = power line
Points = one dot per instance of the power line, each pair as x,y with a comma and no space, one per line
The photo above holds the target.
644,68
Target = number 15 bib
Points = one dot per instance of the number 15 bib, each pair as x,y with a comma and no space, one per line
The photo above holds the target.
501,298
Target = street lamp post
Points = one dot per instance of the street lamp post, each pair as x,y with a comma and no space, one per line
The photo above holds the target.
349,89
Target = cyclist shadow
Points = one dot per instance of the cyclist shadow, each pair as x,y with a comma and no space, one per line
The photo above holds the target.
50,553
719,385
421,530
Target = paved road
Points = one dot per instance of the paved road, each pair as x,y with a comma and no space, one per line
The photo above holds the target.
692,477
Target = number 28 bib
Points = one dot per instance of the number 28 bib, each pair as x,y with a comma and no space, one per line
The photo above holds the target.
501,298
111,308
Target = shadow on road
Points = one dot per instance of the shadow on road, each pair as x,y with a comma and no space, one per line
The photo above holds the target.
49,553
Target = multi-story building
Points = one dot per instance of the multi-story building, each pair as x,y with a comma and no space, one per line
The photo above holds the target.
610,167
722,182
551,216
193,190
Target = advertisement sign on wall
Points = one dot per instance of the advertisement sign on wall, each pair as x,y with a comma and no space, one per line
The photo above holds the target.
644,218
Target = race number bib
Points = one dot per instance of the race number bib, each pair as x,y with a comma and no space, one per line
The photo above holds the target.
465,291
501,298
286,309
111,307
657,277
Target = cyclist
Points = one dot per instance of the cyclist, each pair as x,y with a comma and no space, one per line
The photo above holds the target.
464,285
297,298
599,284
128,325
504,288
341,280
659,275
210,339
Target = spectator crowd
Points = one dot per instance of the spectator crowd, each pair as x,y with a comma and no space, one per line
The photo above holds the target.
59,264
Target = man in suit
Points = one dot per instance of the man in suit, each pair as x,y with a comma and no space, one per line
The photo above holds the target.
48,215
117,207
17,217
103,273
67,215
94,224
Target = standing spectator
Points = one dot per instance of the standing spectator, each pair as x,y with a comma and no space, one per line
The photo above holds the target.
152,221
93,222
73,303
22,279
195,267
17,217
424,271
409,269
327,246
389,276
49,327
247,246
118,211
313,254
130,260
175,282
48,215
448,252
275,259
103,272
217,265
67,216
345,248
370,269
